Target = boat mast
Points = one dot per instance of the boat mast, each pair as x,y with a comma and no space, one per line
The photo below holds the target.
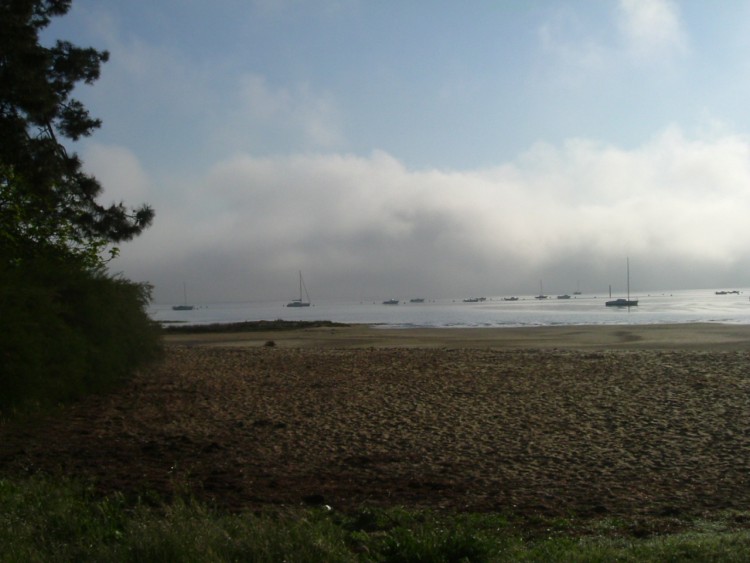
627,262
301,286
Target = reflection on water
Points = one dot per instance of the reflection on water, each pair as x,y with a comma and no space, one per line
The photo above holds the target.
663,307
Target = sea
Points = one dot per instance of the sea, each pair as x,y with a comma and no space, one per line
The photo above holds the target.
661,307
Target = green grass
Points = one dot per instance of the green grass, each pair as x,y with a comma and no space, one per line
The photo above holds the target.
54,521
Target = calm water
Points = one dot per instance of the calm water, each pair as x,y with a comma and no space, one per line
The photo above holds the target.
658,307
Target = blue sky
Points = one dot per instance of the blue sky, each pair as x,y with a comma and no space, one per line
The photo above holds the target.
444,149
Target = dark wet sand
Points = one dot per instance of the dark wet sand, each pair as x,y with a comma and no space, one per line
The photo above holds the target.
705,336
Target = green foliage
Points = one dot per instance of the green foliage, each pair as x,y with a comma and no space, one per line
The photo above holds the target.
66,328
403,536
28,231
42,520
66,331
45,197
45,521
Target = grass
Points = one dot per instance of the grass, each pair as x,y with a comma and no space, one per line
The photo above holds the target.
60,521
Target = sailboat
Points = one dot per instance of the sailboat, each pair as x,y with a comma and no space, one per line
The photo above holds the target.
624,302
299,302
541,292
184,306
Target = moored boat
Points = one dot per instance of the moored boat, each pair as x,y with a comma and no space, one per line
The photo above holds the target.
541,292
299,302
624,302
184,306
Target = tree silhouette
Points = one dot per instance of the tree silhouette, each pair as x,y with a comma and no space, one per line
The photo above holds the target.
47,202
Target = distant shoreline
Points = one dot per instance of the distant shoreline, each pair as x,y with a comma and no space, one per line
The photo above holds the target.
323,334
245,326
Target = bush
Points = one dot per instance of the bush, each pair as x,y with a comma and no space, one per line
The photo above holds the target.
66,331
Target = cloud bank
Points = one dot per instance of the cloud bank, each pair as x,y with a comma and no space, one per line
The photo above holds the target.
369,227
541,142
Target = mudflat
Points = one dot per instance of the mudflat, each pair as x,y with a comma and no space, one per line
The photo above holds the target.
593,421
700,336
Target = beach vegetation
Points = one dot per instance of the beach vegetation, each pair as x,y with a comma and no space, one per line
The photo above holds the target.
63,520
67,331
67,327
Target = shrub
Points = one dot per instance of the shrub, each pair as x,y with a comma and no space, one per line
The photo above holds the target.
66,330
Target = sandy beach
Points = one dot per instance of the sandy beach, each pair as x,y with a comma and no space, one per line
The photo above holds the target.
648,421
623,337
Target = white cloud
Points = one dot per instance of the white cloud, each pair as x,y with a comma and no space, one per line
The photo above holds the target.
364,223
650,31
567,43
298,111
652,28
240,152
120,173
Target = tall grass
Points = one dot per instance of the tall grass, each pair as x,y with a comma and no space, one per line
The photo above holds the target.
42,520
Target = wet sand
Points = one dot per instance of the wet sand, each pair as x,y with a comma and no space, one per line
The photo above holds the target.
704,336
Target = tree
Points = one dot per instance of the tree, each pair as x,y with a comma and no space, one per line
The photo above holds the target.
67,327
47,203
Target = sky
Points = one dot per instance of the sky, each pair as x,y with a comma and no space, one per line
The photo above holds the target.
422,148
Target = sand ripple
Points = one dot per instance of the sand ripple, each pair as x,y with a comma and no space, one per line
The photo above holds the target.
652,432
